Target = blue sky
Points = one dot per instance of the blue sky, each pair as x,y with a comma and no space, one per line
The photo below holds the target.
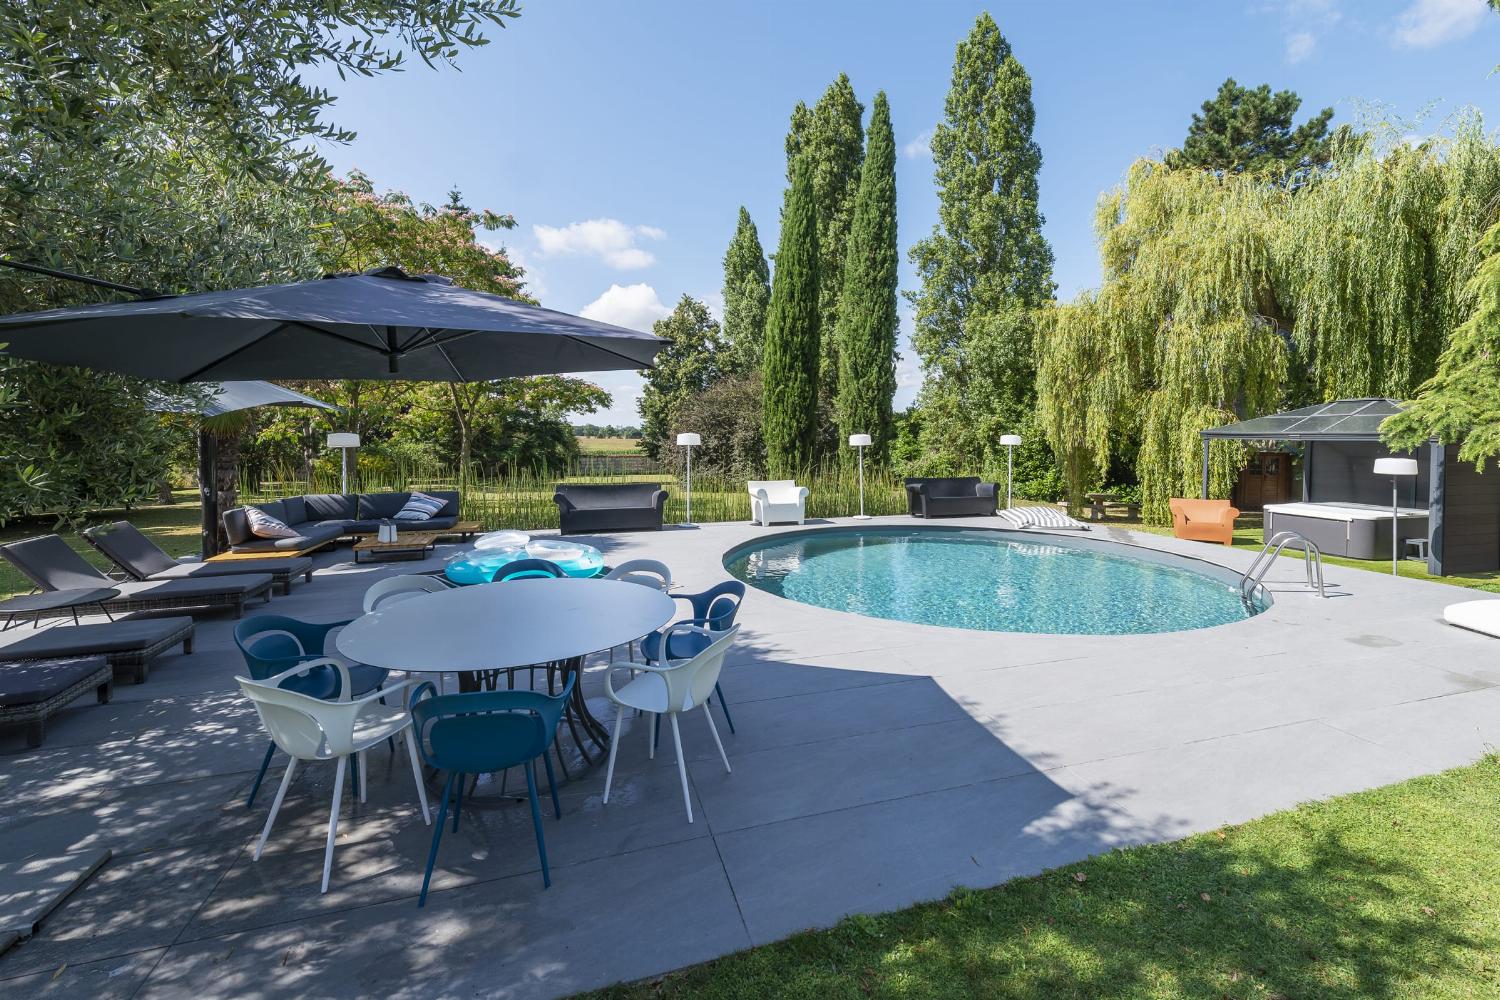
624,138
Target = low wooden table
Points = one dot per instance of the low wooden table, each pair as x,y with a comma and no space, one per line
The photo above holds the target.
464,529
408,543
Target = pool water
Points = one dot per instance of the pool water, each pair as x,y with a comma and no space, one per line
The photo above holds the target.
991,581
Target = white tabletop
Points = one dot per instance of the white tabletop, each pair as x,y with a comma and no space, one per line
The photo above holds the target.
494,625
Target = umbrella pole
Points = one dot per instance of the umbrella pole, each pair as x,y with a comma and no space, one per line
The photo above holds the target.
208,491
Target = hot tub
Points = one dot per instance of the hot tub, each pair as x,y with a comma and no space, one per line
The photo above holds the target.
1352,530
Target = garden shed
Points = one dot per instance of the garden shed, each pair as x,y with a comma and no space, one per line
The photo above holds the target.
1346,508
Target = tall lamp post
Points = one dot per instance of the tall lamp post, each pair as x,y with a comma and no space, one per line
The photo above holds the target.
689,441
344,441
1010,441
1396,468
861,441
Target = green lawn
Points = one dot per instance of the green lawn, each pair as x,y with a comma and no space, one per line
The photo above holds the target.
1393,892
172,526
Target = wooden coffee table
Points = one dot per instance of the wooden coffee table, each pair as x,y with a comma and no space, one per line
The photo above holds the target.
409,544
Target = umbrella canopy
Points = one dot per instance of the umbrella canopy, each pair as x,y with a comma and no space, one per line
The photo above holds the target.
231,397
382,324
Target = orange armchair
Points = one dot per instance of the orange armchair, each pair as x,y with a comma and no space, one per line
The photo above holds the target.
1203,520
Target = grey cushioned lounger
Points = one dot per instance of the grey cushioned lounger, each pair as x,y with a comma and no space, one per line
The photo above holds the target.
123,544
129,645
34,690
48,562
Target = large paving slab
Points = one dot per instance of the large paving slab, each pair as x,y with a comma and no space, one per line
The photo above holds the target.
875,764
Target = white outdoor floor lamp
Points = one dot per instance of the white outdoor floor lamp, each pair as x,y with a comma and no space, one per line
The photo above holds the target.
1010,441
1395,468
861,441
689,441
344,442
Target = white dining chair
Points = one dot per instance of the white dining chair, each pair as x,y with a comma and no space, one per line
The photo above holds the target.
312,729
646,573
401,588
670,688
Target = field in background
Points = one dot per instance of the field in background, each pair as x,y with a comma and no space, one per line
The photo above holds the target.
608,446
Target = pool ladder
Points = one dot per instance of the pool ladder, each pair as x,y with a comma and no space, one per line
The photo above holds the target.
1250,581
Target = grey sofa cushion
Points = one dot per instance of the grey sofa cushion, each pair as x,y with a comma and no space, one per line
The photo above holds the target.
380,506
310,535
275,508
30,682
106,637
296,511
330,506
237,526
623,496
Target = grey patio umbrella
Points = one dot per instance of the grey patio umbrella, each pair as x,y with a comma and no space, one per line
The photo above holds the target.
382,324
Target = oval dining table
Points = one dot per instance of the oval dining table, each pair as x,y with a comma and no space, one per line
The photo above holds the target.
494,627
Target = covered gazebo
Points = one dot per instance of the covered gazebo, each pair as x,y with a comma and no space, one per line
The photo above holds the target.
1448,503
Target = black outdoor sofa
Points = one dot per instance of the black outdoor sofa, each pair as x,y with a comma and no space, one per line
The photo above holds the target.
609,507
950,497
323,518
51,564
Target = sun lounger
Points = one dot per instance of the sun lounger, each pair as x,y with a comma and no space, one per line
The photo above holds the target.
1044,518
142,559
48,562
1476,616
32,691
129,645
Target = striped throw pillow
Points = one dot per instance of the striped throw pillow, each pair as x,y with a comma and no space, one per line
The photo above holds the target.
420,507
263,525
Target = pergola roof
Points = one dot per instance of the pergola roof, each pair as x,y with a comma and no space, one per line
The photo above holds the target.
1340,420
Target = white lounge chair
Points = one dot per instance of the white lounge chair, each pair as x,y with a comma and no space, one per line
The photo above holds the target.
777,500
1476,616
1046,518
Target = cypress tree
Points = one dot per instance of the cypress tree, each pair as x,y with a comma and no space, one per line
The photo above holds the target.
790,397
830,137
868,322
747,292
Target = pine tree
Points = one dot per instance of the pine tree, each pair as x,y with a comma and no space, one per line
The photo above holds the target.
830,137
986,264
790,410
747,292
1245,128
868,322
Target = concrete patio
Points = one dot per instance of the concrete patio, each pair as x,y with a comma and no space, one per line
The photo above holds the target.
876,764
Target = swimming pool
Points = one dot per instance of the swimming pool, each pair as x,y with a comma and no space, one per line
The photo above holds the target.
993,581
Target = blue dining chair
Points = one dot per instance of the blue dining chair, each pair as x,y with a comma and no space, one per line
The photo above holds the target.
483,732
714,609
274,644
524,569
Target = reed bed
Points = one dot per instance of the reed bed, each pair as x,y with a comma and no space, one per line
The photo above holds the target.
524,500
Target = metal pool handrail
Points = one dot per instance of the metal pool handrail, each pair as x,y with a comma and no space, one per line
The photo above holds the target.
1312,558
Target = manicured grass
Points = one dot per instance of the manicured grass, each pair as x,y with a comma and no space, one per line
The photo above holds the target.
172,526
1247,535
1393,892
608,446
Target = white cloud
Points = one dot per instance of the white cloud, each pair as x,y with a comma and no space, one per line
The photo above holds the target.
1431,22
611,240
535,284
919,147
715,303
1300,45
634,307
625,390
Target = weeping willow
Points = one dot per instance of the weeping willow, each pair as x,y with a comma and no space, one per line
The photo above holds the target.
1229,296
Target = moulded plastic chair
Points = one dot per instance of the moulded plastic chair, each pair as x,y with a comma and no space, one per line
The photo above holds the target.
401,588
714,609
308,728
646,572
273,644
482,732
671,689
526,569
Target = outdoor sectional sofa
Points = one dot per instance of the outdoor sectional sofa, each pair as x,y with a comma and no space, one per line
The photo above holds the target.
611,507
950,497
323,518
